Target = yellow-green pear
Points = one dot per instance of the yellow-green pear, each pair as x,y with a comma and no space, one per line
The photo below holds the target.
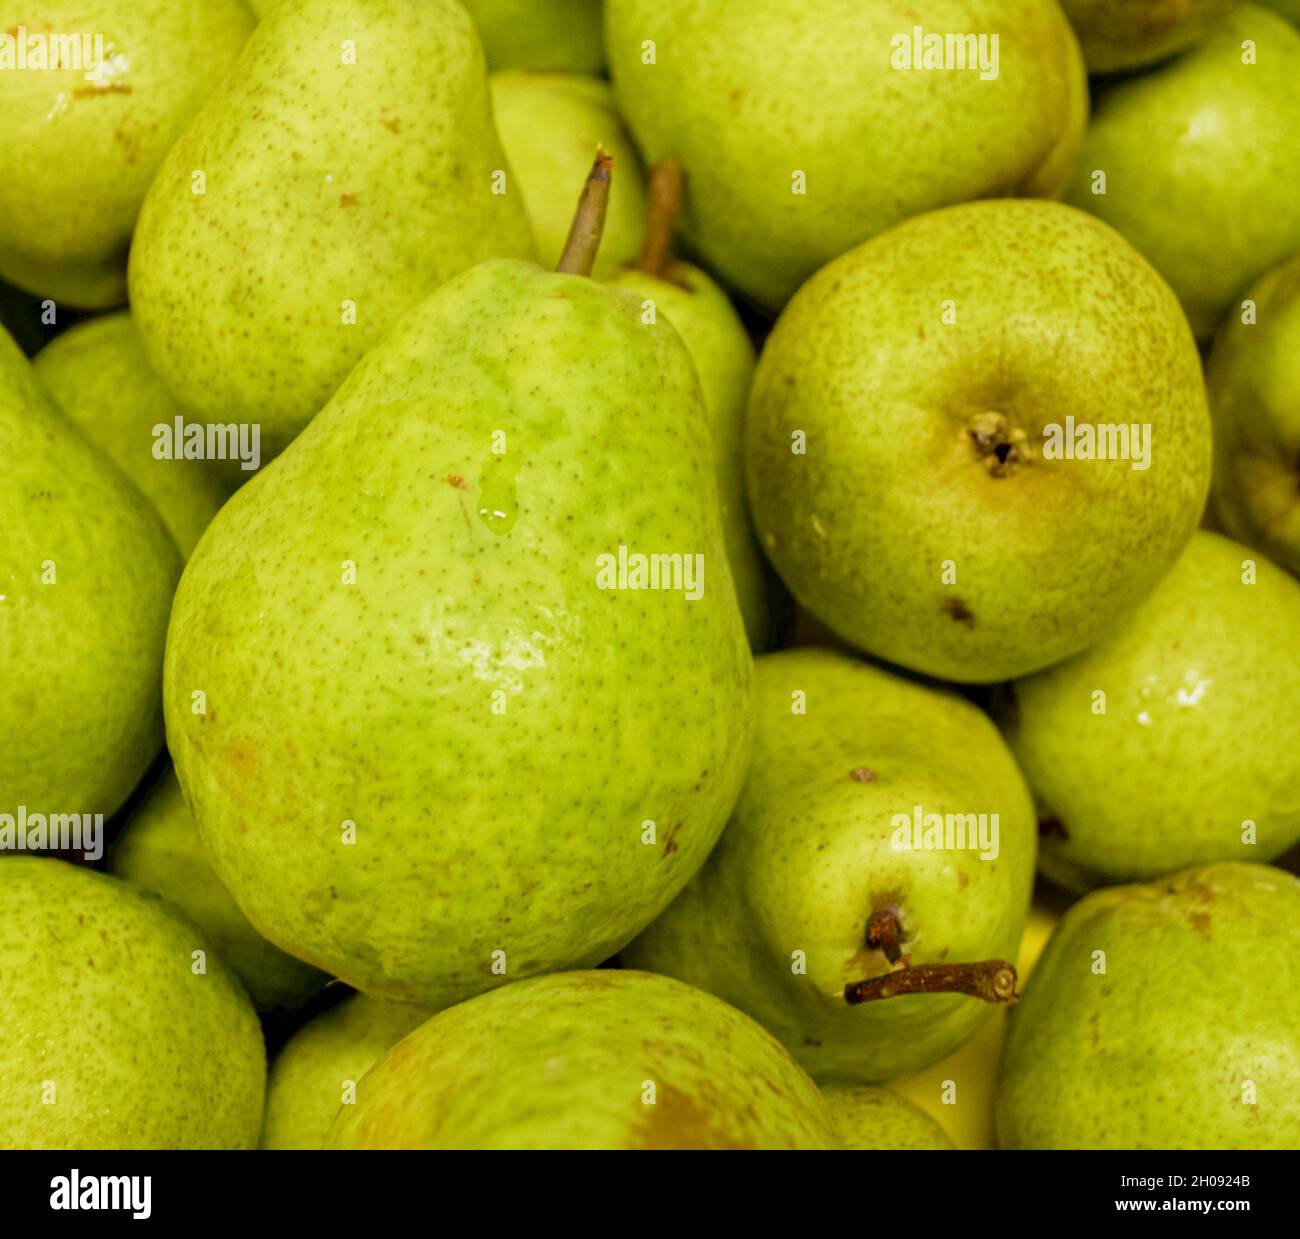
1119,35
876,1119
563,36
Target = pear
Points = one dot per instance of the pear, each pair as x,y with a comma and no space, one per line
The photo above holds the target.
1012,464
822,912
558,35
1289,9
1253,378
82,142
805,137
87,572
1118,35
346,167
723,355
450,570
1218,127
86,960
876,1119
98,375
321,1064
1202,685
549,125
160,851
587,1060
1162,1016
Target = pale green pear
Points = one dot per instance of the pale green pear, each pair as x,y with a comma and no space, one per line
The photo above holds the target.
550,126
1197,162
553,35
83,141
1118,35
123,1030
876,1119
347,166
1012,464
1253,378
587,1060
1173,742
1162,1017
856,845
87,572
458,726
160,851
321,1064
806,128
98,374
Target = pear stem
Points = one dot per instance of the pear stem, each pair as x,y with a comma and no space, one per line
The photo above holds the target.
589,221
665,202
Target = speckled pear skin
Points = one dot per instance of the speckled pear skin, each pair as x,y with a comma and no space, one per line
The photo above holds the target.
1207,129
557,35
160,851
808,857
1200,995
550,125
306,1084
876,1119
100,1001
748,92
1118,35
1253,379
1056,316
87,572
1202,708
497,726
723,355
568,1061
66,216
98,375
367,183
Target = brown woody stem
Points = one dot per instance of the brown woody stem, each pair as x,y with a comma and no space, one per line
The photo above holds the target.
993,980
589,221
665,202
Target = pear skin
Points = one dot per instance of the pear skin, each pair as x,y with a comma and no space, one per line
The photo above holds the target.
1116,35
558,36
876,1119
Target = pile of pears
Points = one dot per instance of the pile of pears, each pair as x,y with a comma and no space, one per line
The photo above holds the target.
651,574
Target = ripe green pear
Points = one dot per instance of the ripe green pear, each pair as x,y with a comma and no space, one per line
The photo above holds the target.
1253,378
562,36
1172,742
87,572
98,374
804,138
784,913
321,1064
1218,127
160,851
123,1031
550,126
1162,1016
587,1060
347,166
82,142
876,1119
1119,35
940,498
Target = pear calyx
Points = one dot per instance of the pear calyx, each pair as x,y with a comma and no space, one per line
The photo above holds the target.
999,445
589,220
665,203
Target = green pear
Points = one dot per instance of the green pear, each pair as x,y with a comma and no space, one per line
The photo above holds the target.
123,1030
320,1065
1172,742
98,375
1218,127
1253,378
87,572
1289,9
439,745
821,881
805,132
160,851
876,1119
1118,35
723,355
1162,1017
563,36
82,142
1013,464
346,167
550,123
587,1060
